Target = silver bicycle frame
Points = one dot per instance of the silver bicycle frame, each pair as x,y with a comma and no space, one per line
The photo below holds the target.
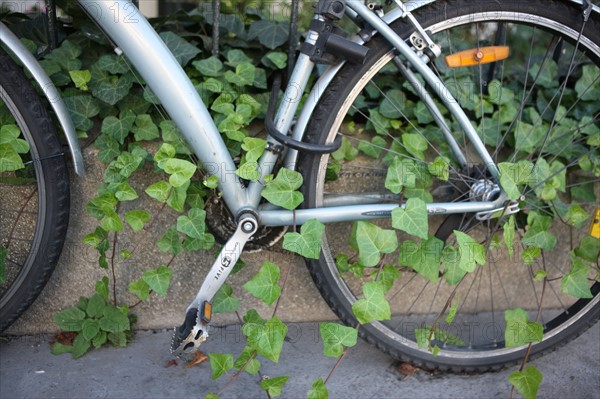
125,25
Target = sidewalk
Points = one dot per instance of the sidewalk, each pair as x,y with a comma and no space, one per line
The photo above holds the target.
29,370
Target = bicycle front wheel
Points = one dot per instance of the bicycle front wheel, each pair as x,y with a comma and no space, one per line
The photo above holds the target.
540,106
34,193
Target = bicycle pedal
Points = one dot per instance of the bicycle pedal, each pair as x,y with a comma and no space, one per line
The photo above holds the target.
188,337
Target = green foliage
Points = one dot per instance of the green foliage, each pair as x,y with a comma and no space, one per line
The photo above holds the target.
527,381
282,190
96,322
308,242
319,390
266,338
373,242
336,337
373,306
264,283
412,218
220,364
273,385
519,331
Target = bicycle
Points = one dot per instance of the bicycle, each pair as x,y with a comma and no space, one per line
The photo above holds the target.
452,172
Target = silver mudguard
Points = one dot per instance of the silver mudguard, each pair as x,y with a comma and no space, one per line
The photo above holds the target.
13,43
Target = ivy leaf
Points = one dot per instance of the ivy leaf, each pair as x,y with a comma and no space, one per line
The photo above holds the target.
374,148
393,103
440,168
282,190
575,282
211,66
247,359
193,225
373,306
224,301
519,331
412,218
158,279
387,276
112,64
220,364
81,78
125,192
453,273
373,241
170,241
270,33
415,143
159,191
254,148
424,257
102,287
9,159
538,235
140,288
118,128
111,220
526,382
273,385
144,128
514,174
111,89
589,248
267,338
401,173
346,151
137,218
264,284
243,75
509,234
82,109
307,243
471,252
181,171
335,337
319,390
576,215
70,319
587,87
181,48
275,60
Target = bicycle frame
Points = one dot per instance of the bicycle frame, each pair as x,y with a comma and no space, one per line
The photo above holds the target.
132,33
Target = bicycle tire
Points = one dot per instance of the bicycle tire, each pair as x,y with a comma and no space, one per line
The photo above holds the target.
339,98
35,199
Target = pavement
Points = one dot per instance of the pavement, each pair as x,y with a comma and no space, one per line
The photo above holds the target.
29,370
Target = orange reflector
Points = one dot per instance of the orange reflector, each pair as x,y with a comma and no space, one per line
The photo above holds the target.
595,227
206,312
476,56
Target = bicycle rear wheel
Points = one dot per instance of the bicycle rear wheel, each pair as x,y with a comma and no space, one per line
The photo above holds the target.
539,106
34,193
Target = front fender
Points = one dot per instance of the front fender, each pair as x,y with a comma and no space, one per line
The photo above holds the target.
13,43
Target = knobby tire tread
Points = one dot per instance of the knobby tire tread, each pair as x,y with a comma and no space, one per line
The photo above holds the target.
56,189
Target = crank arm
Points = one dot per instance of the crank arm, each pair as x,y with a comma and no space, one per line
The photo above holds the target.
188,337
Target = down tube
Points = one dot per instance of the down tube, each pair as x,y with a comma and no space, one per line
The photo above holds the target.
123,22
